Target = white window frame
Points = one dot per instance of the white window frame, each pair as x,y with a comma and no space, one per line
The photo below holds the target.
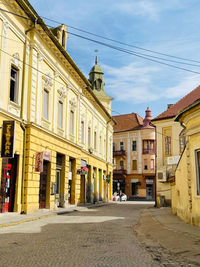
60,114
16,83
47,104
197,165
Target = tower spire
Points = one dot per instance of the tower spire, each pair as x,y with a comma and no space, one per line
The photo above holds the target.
96,61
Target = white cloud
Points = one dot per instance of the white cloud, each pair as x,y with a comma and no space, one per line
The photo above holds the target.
131,83
184,87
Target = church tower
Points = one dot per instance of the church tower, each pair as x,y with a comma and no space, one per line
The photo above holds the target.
97,83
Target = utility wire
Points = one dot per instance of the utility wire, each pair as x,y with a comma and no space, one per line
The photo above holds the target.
92,100
109,39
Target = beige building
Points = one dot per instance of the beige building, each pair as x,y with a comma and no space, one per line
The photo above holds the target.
186,185
134,156
62,130
170,138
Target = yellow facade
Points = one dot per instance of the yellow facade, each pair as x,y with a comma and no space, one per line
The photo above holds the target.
185,189
166,128
54,109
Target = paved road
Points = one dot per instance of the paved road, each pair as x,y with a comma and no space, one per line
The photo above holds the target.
102,236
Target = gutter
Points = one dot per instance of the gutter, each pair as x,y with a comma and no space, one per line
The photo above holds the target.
22,124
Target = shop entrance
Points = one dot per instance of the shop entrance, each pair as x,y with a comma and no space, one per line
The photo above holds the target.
43,185
149,191
82,198
8,183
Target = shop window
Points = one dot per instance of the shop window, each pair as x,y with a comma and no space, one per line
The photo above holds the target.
14,84
197,154
134,146
134,165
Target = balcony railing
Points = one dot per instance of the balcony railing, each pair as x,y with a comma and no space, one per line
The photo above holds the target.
119,153
119,171
148,151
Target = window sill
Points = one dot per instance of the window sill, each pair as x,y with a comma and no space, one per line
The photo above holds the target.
45,123
14,104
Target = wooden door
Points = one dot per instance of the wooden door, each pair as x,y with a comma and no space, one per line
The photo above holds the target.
43,186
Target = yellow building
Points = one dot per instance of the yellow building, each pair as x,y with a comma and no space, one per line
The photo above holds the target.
63,131
170,144
134,156
186,187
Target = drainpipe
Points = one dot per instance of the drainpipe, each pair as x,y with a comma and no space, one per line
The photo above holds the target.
156,204
22,124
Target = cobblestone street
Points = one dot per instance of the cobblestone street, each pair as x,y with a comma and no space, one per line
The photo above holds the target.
102,236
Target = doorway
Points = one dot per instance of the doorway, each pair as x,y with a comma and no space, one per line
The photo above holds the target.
134,187
43,185
82,198
149,191
8,184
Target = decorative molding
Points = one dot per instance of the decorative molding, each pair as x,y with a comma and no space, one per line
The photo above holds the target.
47,81
15,59
57,74
40,57
82,117
5,28
61,92
73,103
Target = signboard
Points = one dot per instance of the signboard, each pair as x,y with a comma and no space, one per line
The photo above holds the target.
149,181
39,162
8,139
83,163
40,156
173,160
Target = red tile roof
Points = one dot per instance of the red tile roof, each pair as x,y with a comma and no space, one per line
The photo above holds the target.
127,122
180,105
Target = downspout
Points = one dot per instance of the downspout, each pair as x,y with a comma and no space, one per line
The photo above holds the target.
22,124
107,147
156,204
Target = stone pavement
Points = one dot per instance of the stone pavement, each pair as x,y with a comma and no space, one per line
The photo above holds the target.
13,218
168,238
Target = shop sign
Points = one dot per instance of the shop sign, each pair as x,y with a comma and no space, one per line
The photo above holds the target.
83,163
39,162
46,156
82,171
149,181
8,139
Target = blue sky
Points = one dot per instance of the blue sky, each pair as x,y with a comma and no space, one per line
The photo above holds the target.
167,26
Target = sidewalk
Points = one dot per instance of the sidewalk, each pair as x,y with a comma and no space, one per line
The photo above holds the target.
169,238
13,218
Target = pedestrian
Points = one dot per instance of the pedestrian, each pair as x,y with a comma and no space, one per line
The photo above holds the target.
120,195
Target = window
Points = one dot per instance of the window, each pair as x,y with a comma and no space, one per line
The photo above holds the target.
134,146
82,131
167,145
13,84
95,140
104,147
145,164
114,148
72,122
121,145
58,174
148,147
121,163
60,114
89,136
100,144
45,104
152,164
134,165
197,152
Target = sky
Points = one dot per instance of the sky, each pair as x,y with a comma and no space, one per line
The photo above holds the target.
168,26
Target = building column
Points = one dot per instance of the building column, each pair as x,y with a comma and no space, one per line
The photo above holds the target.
100,174
95,181
110,186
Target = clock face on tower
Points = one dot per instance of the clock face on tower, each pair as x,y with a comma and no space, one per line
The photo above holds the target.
98,83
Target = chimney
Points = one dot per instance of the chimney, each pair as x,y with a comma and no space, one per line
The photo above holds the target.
169,106
147,119
61,34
